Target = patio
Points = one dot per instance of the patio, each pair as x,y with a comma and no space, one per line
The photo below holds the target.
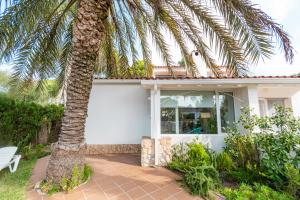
117,177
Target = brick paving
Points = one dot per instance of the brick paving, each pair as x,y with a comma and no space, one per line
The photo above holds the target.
117,177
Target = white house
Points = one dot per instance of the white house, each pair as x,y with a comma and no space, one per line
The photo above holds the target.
123,111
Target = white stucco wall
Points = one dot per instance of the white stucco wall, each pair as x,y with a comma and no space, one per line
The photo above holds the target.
212,141
295,100
118,114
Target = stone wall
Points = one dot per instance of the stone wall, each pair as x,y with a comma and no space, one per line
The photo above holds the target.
113,148
147,152
165,151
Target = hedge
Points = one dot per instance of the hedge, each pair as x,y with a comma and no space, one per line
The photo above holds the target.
21,121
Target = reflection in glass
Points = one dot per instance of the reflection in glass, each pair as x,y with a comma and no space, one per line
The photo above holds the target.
226,109
188,112
168,123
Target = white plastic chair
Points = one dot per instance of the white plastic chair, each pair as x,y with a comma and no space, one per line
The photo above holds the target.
9,159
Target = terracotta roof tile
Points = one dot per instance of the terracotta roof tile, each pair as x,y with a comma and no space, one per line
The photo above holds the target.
201,77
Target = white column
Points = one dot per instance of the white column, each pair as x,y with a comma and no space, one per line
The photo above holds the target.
155,120
253,100
155,112
219,128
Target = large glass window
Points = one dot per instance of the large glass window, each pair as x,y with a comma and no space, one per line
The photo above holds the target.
188,112
168,122
226,109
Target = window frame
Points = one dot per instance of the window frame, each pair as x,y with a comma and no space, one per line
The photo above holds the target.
218,113
266,104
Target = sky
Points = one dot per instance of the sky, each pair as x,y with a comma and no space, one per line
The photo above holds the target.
285,12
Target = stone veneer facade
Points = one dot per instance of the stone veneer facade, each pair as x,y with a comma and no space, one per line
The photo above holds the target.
113,148
148,151
165,151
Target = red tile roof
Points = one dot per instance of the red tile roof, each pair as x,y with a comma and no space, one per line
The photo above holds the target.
201,77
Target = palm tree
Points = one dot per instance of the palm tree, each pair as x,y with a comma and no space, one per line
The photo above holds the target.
67,39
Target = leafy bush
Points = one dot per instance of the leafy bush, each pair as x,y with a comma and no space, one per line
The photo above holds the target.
34,152
78,177
21,121
269,144
242,149
224,162
189,155
257,192
195,162
201,179
293,178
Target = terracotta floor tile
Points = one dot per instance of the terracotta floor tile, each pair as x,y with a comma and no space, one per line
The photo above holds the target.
129,186
96,196
120,197
75,196
91,189
136,193
122,180
160,194
150,187
172,189
184,195
118,177
107,186
115,191
59,196
146,197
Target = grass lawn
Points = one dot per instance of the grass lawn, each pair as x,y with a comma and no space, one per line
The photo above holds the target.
13,185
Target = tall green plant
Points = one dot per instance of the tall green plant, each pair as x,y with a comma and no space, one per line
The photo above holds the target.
21,121
268,145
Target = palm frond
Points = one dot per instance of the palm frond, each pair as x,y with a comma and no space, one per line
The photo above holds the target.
37,36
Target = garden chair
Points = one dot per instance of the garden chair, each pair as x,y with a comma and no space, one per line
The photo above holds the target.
9,159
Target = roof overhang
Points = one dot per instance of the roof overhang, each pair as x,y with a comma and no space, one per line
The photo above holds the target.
224,81
207,82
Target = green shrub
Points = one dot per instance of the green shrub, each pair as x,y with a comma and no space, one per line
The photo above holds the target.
249,175
242,149
196,163
20,121
49,187
34,152
224,162
189,155
201,179
197,154
78,177
257,192
293,178
269,144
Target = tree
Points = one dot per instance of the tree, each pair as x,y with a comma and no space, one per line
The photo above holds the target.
26,91
65,39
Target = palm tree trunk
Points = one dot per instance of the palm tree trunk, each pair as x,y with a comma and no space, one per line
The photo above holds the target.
88,32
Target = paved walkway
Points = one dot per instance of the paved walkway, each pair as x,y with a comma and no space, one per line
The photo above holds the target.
118,177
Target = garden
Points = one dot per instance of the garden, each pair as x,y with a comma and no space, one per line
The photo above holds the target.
260,162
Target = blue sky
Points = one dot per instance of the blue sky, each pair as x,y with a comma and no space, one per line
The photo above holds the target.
285,12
